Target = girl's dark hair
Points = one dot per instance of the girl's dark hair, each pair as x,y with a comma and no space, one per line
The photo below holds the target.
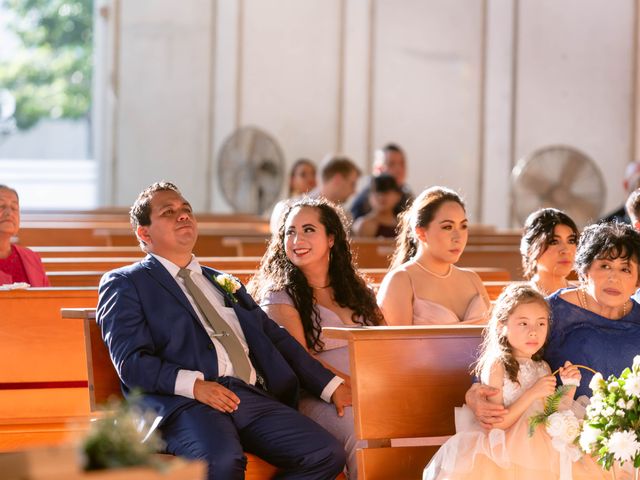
538,234
606,240
294,167
384,183
349,287
495,346
420,214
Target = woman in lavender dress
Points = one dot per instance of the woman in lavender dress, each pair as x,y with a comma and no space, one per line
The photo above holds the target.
307,280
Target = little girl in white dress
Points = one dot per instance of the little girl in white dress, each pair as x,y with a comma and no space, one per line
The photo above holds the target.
510,360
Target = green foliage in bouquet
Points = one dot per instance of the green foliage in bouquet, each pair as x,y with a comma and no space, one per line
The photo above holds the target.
612,424
124,437
551,405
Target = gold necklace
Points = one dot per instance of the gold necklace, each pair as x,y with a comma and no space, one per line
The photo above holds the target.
582,298
434,273
319,288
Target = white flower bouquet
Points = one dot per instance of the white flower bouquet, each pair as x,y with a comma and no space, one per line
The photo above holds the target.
612,423
562,426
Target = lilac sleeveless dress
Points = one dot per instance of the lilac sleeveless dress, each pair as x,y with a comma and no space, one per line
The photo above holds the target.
428,312
336,354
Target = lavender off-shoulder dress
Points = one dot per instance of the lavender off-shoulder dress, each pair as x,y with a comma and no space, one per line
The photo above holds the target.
336,354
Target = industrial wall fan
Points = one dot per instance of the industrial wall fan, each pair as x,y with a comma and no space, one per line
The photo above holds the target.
561,177
250,170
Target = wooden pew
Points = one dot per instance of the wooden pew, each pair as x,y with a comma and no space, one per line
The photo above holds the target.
105,384
104,264
91,278
406,382
99,233
486,274
121,214
87,251
43,380
256,245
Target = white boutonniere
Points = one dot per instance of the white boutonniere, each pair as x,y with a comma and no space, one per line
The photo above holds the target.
229,284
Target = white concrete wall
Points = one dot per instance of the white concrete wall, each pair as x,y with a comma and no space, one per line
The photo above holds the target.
164,103
575,82
466,87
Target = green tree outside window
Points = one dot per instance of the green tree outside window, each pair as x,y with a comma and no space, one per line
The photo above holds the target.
49,74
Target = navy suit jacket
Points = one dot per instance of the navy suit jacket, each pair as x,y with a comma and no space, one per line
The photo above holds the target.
152,331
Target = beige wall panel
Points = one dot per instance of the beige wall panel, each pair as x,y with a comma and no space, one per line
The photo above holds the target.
291,73
574,82
427,88
164,104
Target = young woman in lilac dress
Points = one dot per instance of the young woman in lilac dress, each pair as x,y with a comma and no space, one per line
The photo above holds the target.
307,280
424,287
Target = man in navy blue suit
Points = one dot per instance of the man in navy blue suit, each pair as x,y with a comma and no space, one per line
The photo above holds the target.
215,399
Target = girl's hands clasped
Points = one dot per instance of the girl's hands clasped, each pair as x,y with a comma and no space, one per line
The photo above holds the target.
570,374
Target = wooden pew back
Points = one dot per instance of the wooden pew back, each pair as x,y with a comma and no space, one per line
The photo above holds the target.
104,264
406,382
43,380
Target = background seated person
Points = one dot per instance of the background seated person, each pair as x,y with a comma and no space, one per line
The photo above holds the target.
596,324
424,287
307,280
392,161
548,249
381,221
17,264
302,179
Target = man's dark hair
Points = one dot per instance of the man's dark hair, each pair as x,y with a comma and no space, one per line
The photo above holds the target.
140,213
393,147
338,165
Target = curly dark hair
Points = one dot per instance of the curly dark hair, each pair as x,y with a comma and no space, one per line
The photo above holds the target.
495,346
350,289
538,234
419,214
606,240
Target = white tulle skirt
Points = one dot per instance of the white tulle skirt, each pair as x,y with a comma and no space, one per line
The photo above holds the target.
474,453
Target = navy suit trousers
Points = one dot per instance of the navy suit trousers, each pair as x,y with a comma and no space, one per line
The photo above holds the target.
262,426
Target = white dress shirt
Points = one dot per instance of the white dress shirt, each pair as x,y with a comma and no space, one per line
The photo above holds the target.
187,378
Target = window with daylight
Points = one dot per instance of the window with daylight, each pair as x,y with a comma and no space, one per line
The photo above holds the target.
46,56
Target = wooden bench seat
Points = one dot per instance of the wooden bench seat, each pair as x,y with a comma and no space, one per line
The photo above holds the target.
406,382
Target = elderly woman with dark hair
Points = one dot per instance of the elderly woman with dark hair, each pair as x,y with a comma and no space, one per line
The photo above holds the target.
17,264
548,249
596,324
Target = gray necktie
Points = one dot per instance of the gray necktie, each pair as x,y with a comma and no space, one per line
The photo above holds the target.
225,335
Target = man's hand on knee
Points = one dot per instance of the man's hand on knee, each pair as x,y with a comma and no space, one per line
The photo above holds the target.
486,412
341,398
216,396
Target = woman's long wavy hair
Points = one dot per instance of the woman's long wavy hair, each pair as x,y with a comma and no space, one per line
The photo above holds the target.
538,233
420,214
350,290
495,346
